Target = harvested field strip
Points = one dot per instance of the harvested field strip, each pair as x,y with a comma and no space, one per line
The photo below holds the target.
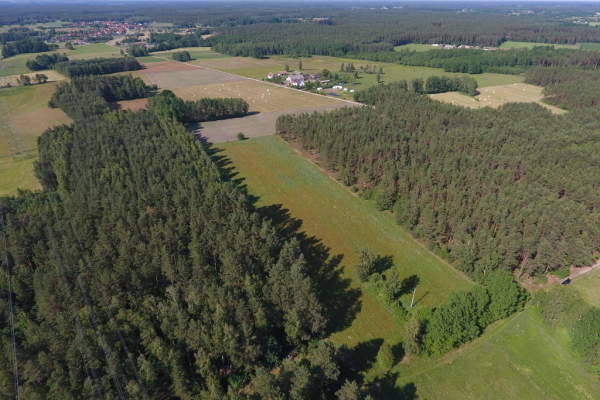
256,125
191,77
17,175
164,66
286,183
495,96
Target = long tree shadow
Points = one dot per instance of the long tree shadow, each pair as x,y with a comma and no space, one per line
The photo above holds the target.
386,388
341,303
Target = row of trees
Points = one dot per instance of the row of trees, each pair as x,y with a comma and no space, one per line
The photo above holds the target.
88,96
202,289
97,66
26,79
46,61
27,45
205,109
443,84
489,189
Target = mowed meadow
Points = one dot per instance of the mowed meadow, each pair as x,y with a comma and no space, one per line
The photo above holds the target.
516,358
295,192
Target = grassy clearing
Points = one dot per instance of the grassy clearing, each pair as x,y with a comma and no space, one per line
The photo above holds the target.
519,45
514,359
590,46
589,286
495,96
28,107
415,47
319,208
17,175
52,75
262,97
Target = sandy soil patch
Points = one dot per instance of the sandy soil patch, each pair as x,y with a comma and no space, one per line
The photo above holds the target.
194,76
131,105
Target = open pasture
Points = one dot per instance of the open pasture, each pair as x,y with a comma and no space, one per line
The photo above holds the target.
28,107
255,125
513,359
262,97
519,45
295,192
495,96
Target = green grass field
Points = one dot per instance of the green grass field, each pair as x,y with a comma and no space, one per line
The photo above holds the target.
589,286
343,223
515,359
590,46
17,174
518,45
415,47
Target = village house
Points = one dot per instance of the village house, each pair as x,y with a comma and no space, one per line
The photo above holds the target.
282,73
270,76
296,79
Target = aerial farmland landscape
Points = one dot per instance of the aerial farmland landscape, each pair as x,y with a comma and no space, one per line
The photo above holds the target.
339,200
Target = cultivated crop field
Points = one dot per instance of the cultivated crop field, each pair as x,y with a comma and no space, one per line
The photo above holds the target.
495,96
191,76
514,359
342,222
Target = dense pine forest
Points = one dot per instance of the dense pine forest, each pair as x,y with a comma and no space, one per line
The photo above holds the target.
513,188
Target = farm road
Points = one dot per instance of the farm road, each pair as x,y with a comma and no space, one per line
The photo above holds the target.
262,124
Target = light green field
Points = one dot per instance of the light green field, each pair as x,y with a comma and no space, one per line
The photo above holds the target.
415,47
343,223
259,69
515,359
589,286
590,46
495,96
519,45
17,174
197,53
16,65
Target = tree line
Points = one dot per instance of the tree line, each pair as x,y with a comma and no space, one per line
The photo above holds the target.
567,88
97,66
205,109
46,61
87,96
510,188
181,56
27,45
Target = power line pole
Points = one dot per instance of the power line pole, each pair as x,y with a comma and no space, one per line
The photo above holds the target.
413,298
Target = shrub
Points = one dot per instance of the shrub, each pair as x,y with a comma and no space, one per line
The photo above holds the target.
240,136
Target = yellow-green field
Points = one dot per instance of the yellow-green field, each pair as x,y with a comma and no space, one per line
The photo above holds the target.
519,45
17,174
415,47
282,179
495,96
28,107
589,286
52,75
262,97
590,46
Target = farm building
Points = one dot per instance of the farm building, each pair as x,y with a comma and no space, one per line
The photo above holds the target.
270,75
282,73
296,79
